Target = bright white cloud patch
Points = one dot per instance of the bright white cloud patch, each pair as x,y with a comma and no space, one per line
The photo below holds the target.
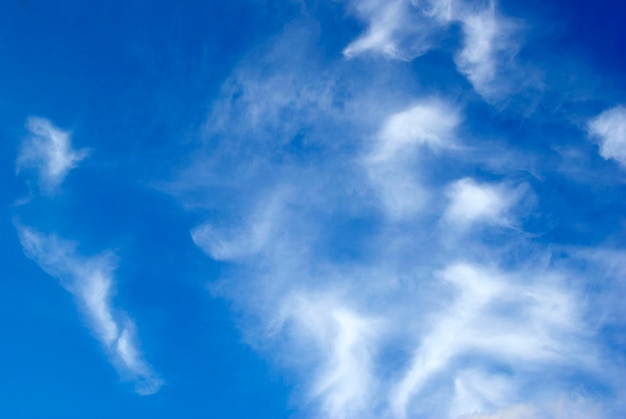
430,123
609,128
48,150
472,202
91,282
395,30
494,314
345,382
393,166
488,49
404,30
229,244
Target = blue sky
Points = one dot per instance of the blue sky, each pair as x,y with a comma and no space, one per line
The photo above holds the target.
313,209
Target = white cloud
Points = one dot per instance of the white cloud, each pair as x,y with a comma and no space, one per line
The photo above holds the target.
472,202
344,383
403,331
395,30
609,128
393,163
488,49
48,150
91,282
401,324
428,123
230,244
494,314
404,30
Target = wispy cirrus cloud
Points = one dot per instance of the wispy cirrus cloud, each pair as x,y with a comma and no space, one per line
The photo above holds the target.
346,381
511,322
397,315
393,161
48,150
405,30
397,29
486,58
91,281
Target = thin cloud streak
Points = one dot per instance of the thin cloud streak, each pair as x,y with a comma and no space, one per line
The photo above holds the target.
434,302
91,282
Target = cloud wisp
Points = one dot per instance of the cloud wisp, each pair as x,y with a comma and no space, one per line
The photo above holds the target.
90,280
48,150
405,30
391,165
511,322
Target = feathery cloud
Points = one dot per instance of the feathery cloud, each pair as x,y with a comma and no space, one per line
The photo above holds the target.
489,46
90,281
392,165
345,382
48,150
405,30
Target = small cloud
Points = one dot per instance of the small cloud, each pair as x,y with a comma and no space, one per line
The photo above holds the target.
392,31
472,202
396,29
391,163
48,150
489,46
609,129
429,123
91,282
235,243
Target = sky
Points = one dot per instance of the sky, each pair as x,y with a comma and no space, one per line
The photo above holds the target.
313,209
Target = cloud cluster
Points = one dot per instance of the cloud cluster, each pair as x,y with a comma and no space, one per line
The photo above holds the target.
388,293
404,30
